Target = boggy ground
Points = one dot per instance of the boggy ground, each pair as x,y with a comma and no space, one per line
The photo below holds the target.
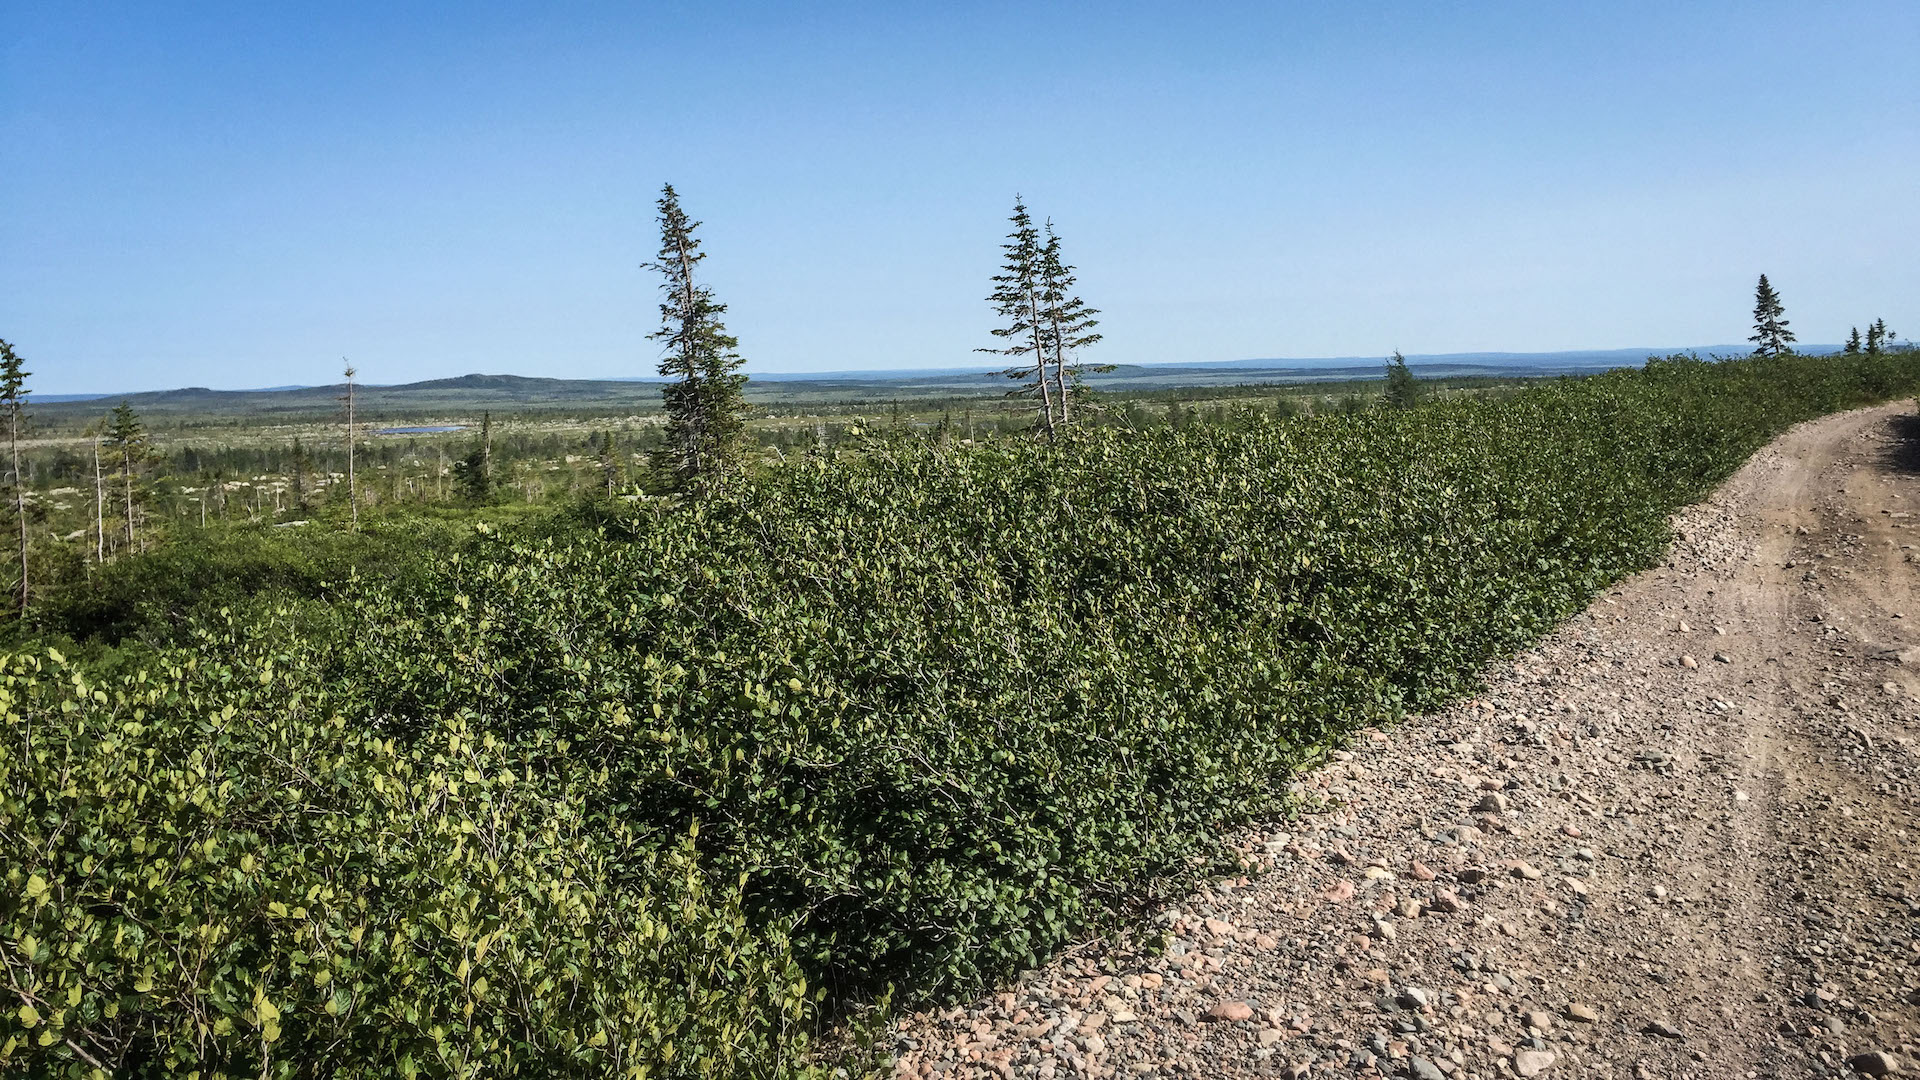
1675,840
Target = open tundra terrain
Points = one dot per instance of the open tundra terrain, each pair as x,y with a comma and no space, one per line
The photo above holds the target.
1676,839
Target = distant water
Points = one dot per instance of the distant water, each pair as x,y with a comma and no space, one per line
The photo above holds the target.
431,429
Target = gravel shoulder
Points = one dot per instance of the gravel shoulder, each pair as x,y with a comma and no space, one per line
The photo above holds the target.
1674,840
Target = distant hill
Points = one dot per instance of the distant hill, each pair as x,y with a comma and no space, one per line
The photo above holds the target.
468,395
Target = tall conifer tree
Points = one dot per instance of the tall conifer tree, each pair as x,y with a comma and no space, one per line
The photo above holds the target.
706,405
1853,342
128,437
1877,337
1770,334
1403,390
1016,299
13,399
1067,325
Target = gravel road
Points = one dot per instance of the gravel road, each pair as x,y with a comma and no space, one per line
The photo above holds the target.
1671,841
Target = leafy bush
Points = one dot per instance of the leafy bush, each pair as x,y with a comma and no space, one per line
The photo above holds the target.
935,710
211,870
156,598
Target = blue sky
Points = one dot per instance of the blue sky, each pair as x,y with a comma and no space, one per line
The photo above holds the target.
239,195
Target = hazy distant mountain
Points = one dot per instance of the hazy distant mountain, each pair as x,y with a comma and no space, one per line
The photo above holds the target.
471,394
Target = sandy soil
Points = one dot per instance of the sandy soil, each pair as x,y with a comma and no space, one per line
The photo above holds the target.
1678,839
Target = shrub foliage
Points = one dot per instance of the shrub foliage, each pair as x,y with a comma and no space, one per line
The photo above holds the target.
631,800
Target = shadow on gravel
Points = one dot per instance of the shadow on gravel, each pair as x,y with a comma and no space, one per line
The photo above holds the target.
1904,454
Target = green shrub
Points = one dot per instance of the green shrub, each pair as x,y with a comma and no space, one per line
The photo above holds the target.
935,710
211,871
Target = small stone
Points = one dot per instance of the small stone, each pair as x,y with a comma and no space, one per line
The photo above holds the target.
1339,891
1722,658
1526,871
1875,1063
1582,1013
1689,662
1414,998
1571,830
1491,803
1408,909
1218,927
1532,1062
1659,892
1422,1069
1662,1029
1268,1036
1579,887
1445,902
1419,872
1684,628
1540,1021
1231,1012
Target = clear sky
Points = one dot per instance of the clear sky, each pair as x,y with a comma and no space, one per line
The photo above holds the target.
239,195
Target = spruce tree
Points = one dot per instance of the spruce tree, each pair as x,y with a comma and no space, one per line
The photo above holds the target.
1877,337
609,462
1853,342
353,486
1016,299
13,398
474,472
706,404
1067,326
1770,334
1403,390
128,437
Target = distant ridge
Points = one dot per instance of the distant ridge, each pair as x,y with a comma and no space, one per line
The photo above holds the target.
475,393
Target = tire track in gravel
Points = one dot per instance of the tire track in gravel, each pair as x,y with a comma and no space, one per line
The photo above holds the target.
1676,839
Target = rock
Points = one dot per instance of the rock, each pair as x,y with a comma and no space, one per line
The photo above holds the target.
1419,872
1268,1036
1582,1013
1491,803
1218,927
1339,891
1231,1012
1532,1062
1414,998
1540,1021
1445,902
1422,1069
1684,628
1689,662
1722,658
1662,1029
1579,887
1875,1063
1526,871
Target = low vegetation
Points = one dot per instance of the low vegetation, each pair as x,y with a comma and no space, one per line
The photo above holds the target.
664,787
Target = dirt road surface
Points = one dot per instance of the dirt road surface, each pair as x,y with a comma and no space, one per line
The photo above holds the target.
1678,839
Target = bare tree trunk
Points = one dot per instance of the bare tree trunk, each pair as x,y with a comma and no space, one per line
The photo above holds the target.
353,491
1040,360
126,472
19,500
99,506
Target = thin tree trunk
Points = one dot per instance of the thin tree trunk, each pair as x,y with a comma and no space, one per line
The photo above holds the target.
99,506
353,491
126,471
19,500
1040,360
